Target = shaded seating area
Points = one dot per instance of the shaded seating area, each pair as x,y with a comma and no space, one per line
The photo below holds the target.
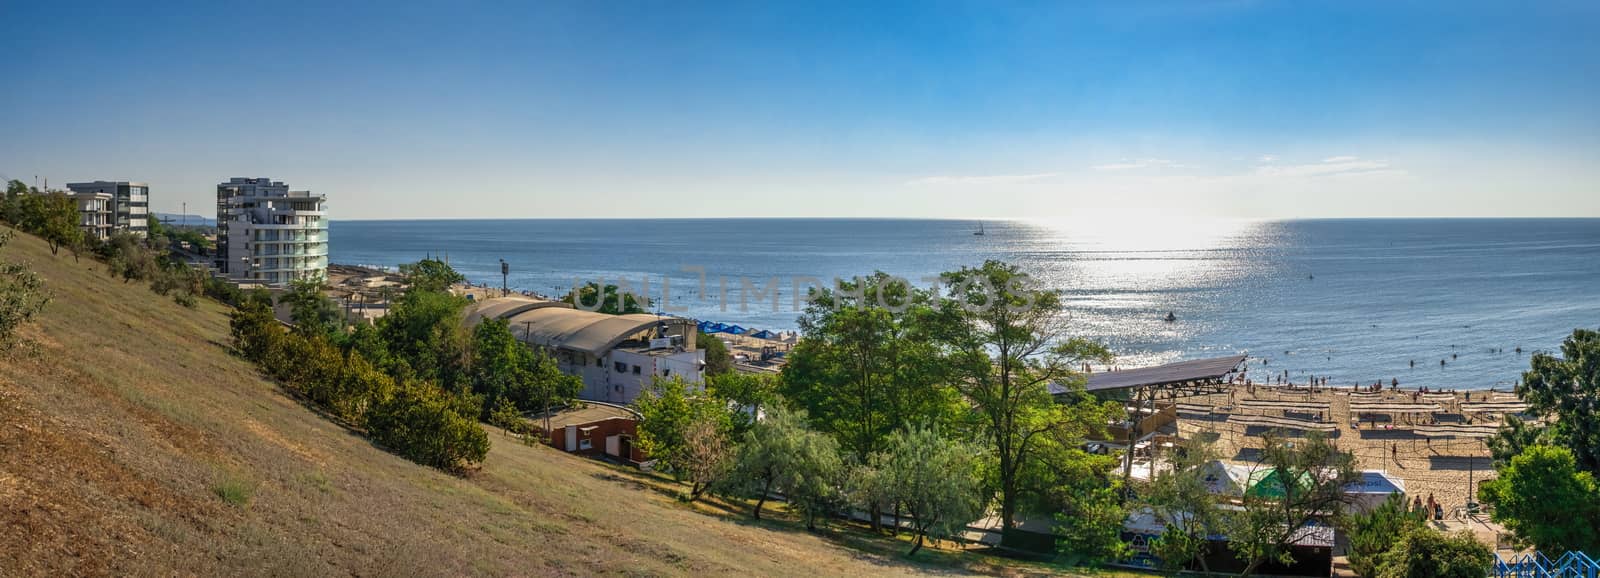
1457,431
1283,423
1286,405
1494,407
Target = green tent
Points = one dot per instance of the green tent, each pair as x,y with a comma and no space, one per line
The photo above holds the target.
1267,483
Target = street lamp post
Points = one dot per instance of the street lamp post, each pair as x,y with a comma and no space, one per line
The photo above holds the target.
505,271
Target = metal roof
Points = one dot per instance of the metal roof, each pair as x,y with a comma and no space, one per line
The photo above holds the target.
587,331
504,307
1180,372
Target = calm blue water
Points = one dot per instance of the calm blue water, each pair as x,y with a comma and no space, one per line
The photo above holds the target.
1354,300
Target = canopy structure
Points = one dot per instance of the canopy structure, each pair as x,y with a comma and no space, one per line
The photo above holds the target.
1392,407
1287,405
1171,381
764,334
1494,407
734,330
1194,372
1283,422
1457,431
1438,397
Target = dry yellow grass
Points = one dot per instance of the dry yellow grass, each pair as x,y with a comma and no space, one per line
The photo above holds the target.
131,442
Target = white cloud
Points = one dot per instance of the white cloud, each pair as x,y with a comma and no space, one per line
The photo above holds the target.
1331,166
1131,164
980,179
1266,158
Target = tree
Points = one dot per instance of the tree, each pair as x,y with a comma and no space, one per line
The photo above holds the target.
746,394
936,479
1182,499
1544,498
871,361
55,219
707,454
431,275
1086,497
1427,553
680,429
587,297
1566,391
22,295
719,360
424,335
1373,534
504,369
310,308
1011,348
1311,476
781,454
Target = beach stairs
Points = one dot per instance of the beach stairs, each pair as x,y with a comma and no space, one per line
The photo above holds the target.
1537,565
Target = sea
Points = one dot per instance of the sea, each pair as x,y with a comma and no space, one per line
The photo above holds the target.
1443,303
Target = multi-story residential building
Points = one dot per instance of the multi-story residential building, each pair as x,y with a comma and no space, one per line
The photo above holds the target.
129,205
94,214
269,234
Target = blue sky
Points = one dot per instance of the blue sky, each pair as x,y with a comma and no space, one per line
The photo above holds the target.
960,110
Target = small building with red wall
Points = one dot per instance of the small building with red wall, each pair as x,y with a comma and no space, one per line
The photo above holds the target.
595,429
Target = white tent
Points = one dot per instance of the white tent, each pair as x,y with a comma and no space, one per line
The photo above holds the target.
1374,487
1225,478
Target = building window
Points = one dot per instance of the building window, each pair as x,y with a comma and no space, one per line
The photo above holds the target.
599,362
636,370
620,367
585,443
666,373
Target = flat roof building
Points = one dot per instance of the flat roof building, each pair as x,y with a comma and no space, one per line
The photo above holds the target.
269,234
127,208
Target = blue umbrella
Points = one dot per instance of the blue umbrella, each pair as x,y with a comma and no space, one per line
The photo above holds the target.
764,334
734,330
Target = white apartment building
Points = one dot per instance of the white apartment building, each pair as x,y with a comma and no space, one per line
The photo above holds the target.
94,214
128,206
269,234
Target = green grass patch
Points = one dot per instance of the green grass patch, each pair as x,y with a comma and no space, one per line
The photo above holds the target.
235,490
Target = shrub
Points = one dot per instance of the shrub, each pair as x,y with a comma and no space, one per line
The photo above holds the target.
1428,553
1374,533
424,424
22,296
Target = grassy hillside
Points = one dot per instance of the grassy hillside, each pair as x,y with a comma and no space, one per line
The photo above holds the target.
131,441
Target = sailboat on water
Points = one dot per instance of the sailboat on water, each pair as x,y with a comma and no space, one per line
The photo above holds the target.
979,232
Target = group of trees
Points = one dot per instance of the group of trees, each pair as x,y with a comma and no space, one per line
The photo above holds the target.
1545,491
50,215
417,380
923,405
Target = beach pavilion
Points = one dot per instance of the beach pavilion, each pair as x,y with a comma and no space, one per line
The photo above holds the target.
1142,387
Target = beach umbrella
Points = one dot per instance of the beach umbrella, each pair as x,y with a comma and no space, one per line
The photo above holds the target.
715,328
734,330
763,334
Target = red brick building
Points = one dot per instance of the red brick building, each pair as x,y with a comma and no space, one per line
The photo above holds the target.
596,429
